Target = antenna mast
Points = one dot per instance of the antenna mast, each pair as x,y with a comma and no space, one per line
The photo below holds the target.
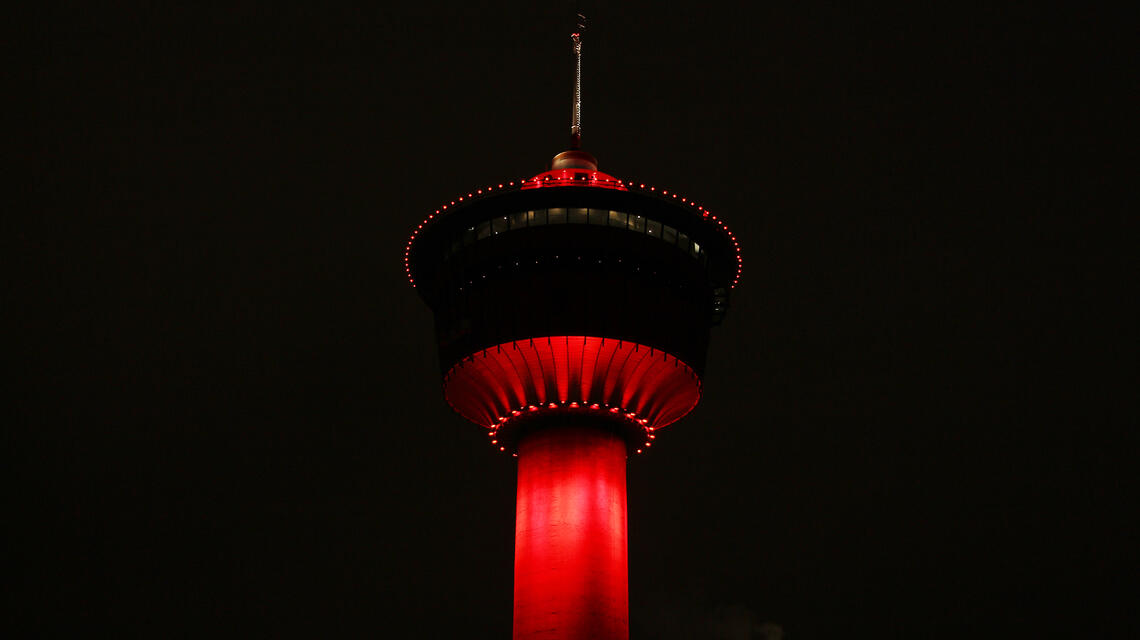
576,115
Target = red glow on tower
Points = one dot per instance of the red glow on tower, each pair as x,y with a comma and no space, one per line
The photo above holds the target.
493,385
574,178
572,314
571,558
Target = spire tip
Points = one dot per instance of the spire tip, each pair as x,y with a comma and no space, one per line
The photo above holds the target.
576,113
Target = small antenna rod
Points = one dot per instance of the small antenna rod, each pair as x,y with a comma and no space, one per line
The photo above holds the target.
576,115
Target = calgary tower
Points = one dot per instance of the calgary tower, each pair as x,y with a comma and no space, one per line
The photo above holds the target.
572,313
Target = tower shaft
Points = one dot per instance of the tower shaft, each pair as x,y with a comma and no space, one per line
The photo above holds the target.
571,554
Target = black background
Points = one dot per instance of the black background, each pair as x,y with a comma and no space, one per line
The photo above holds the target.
229,418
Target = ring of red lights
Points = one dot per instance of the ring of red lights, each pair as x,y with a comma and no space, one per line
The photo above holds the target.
506,386
569,178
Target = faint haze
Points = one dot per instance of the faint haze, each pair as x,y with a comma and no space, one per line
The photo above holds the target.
737,622
677,620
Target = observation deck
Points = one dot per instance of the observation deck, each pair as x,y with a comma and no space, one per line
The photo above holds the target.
531,281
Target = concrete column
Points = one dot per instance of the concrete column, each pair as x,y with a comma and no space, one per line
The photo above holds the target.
571,550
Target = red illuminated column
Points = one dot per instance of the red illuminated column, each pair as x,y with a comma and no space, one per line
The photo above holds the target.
571,560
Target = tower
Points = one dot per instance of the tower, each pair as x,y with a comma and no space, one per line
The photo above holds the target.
572,315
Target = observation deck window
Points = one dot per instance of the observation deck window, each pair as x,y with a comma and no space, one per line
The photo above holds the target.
577,215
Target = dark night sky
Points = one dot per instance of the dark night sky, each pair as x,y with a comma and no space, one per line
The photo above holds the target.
229,418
